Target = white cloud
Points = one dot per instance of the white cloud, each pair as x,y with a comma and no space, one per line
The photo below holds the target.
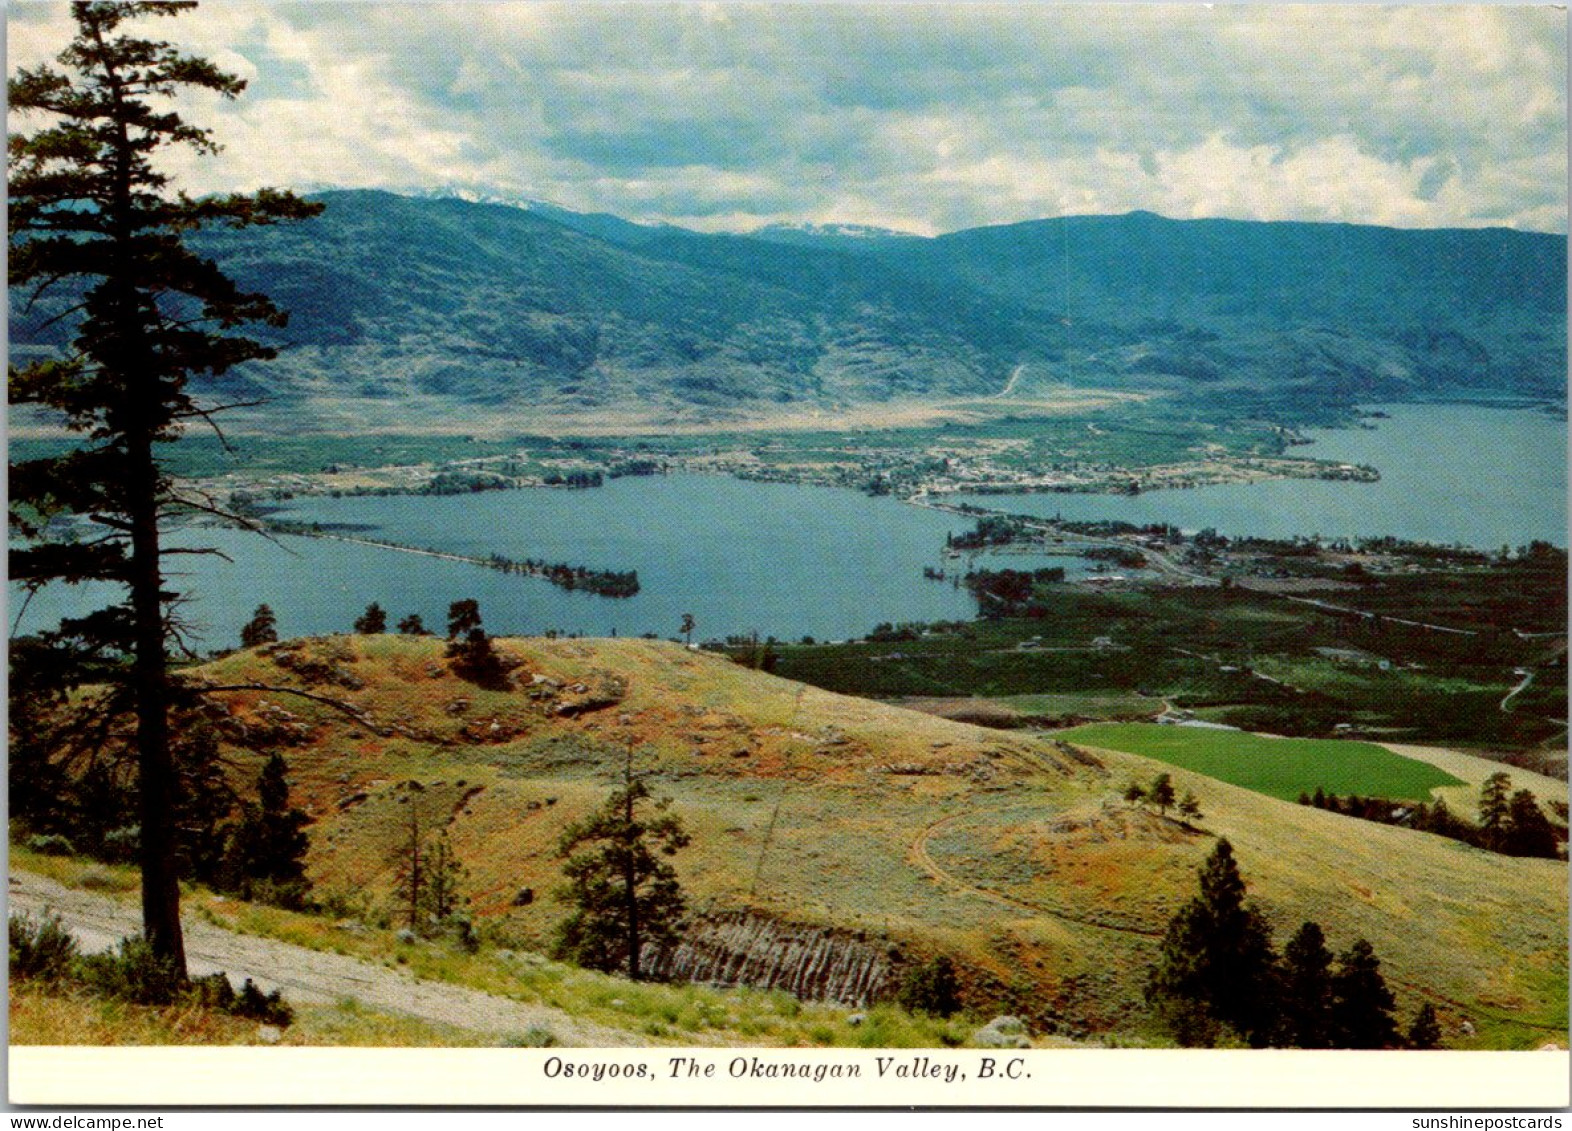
929,117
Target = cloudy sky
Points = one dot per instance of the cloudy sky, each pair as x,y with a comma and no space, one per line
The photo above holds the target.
923,118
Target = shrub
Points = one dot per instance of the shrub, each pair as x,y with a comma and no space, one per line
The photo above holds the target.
40,949
135,974
215,992
292,895
931,988
50,844
346,905
461,931
1003,1033
270,1009
532,1038
100,879
122,846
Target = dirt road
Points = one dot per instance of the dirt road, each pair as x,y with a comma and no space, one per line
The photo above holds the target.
922,855
308,975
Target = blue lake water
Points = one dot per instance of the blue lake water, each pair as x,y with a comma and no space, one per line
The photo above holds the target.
788,560
778,559
1482,477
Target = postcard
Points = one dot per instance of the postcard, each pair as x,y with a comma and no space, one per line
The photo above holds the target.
834,555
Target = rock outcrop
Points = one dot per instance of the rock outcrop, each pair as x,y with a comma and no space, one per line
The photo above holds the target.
744,948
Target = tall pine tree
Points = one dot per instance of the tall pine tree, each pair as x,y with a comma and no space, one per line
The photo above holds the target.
1528,831
90,209
1495,810
1361,1003
268,848
1307,990
1217,969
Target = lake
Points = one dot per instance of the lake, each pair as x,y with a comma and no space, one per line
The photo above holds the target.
1483,477
789,560
778,559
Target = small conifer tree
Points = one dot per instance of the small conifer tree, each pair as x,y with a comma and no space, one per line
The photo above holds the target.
1528,831
443,896
372,622
1425,1032
269,845
262,628
931,988
409,879
1162,793
1495,809
1361,1003
462,617
625,898
204,803
474,656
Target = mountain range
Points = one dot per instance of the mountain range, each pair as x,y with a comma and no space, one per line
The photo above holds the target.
433,306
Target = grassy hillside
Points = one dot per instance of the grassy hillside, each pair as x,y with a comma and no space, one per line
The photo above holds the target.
911,834
648,1013
1471,772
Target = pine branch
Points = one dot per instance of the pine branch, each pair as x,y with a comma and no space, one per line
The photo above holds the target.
349,709
199,550
113,523
32,591
177,632
195,412
206,504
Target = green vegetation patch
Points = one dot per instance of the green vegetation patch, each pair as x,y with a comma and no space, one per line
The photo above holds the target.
1278,767
1202,648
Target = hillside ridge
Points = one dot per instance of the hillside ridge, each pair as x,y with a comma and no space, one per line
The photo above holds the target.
888,836
418,308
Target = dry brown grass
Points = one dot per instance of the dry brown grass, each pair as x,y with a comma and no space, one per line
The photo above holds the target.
909,828
1473,770
41,1015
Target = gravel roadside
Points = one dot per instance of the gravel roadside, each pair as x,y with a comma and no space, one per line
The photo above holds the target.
308,975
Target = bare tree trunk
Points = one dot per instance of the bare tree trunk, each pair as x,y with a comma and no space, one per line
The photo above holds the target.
155,765
630,881
415,880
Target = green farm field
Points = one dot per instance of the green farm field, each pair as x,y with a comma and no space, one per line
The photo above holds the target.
1278,767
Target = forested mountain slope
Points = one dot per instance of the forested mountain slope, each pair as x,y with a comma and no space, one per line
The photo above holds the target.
444,304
